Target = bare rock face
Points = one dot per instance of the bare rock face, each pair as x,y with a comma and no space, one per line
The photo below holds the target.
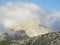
32,28
47,39
52,38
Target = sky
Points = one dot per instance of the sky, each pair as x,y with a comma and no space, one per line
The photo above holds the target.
48,11
51,5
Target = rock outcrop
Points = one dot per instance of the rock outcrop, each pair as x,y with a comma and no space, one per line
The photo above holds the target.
32,28
52,38
47,39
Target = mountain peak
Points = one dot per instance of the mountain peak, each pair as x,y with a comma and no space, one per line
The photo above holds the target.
32,28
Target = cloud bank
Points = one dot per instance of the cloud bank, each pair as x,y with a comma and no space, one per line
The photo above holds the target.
17,13
53,20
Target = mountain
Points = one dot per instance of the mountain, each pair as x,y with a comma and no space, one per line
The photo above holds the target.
32,28
2,37
21,35
52,38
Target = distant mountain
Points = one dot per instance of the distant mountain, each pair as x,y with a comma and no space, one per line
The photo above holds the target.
31,28
2,37
21,35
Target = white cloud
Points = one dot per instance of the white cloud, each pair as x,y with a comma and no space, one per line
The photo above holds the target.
53,20
15,13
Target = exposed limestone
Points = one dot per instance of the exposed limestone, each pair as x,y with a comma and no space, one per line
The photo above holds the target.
32,28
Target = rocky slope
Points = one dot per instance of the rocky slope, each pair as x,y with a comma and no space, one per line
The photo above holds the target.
32,28
52,38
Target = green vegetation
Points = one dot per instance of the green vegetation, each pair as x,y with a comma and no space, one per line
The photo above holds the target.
5,42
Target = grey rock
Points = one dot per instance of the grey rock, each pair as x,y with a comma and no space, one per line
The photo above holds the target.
52,38
47,39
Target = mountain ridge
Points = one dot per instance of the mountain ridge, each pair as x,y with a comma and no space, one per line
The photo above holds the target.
31,27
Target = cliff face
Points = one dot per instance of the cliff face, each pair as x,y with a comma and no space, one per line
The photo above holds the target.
32,28
47,39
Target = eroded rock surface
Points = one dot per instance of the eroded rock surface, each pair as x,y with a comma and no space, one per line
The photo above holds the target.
47,39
